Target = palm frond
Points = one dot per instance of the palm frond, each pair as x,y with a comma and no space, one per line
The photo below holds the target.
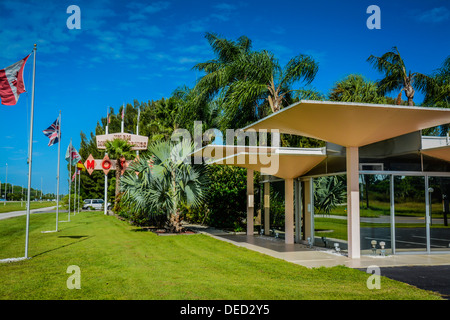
301,67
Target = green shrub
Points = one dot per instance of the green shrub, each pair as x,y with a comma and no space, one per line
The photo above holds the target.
225,206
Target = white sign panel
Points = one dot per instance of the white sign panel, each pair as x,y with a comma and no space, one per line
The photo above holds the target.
138,142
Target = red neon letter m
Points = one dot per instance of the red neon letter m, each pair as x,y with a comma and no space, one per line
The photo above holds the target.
90,164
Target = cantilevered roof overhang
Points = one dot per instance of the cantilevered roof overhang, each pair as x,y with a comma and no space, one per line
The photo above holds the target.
442,153
351,124
285,163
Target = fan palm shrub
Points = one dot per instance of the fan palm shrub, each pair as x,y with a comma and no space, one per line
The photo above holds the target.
329,192
164,182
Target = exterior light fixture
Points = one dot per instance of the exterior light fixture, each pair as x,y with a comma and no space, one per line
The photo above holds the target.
383,251
309,242
336,247
374,246
324,240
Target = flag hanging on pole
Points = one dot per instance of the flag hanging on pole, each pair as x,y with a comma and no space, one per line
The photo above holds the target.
72,155
52,133
80,166
11,82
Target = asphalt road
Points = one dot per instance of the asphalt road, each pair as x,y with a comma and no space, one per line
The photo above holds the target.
433,278
12,214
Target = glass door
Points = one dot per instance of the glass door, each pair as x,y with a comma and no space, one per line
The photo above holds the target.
410,214
439,188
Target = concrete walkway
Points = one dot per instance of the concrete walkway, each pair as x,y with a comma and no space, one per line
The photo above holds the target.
319,257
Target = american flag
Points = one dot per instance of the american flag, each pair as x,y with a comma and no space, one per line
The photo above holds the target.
52,133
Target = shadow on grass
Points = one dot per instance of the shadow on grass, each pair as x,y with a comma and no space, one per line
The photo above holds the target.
81,238
73,237
139,230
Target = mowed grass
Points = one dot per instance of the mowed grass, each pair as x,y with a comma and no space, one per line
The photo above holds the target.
21,206
119,261
383,208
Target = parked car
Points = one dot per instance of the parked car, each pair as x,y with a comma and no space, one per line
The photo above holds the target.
96,204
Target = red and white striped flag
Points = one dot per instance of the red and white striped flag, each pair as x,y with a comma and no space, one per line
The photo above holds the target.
11,82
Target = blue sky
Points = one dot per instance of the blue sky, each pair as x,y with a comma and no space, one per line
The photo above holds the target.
144,50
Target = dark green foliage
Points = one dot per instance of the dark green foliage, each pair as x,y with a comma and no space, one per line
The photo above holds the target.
227,197
277,208
329,192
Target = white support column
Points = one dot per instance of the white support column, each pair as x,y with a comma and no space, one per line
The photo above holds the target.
353,227
267,208
289,210
250,202
297,210
308,209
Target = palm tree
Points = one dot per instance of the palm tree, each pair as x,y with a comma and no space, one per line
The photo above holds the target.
246,81
437,86
120,150
216,71
354,88
437,92
164,182
396,77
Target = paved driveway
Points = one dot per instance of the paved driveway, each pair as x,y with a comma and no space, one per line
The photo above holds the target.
7,215
433,278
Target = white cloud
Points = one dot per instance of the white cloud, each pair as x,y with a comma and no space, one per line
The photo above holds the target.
140,11
434,15
225,6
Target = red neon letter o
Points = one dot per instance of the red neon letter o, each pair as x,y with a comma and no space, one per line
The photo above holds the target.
106,164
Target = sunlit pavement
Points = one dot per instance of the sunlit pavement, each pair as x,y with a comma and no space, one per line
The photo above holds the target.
319,257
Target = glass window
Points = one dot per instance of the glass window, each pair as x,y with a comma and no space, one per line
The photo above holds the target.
375,214
410,214
330,211
439,188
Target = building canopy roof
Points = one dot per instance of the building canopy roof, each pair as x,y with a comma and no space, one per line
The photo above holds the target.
351,124
283,163
344,124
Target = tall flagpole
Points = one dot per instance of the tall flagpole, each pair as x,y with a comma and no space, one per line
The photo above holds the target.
30,156
105,203
75,191
57,174
79,188
123,115
70,172
137,126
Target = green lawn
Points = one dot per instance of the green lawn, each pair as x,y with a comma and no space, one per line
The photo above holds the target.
383,208
18,206
119,261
